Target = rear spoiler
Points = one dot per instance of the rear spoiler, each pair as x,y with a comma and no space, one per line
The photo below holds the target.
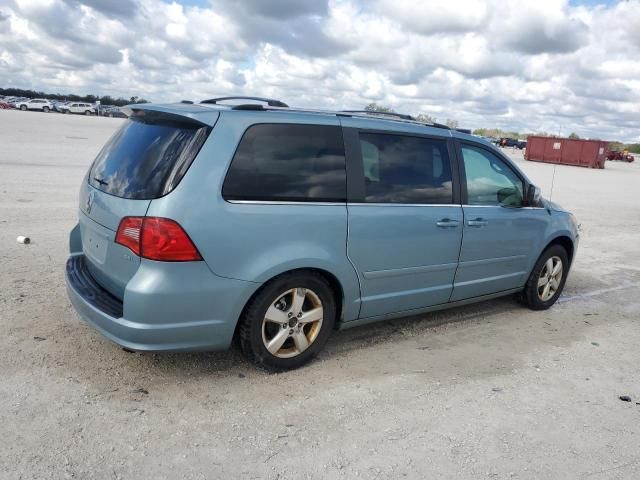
178,112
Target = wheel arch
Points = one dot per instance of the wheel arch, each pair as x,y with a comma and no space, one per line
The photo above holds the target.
331,278
565,242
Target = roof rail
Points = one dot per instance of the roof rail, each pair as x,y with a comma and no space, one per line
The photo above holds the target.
399,116
382,114
274,105
269,101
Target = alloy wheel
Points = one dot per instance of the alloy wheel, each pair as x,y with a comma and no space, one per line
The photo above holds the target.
550,278
292,322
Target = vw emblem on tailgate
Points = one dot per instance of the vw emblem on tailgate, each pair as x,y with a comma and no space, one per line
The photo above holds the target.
90,201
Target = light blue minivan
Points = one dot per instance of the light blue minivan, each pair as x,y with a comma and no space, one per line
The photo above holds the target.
204,223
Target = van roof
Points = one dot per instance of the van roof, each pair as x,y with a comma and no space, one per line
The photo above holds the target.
194,110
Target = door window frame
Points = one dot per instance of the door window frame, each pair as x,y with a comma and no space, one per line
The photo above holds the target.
355,165
505,161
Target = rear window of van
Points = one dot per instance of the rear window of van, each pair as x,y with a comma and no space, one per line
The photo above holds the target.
147,157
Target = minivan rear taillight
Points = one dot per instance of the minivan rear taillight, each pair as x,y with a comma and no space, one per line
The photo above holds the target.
156,238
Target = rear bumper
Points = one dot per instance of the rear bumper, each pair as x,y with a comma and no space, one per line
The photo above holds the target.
166,307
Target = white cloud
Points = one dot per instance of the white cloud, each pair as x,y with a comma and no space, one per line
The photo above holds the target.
523,64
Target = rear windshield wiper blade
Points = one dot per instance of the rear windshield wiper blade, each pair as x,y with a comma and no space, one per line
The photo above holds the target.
100,181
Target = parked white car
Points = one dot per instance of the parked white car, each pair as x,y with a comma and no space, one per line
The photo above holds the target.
79,107
35,104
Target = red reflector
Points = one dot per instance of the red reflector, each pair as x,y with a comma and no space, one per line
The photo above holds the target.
156,238
129,233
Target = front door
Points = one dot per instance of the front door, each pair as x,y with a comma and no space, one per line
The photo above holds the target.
500,234
405,228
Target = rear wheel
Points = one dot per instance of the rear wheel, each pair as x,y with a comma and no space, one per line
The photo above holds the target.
288,321
45,109
87,112
547,279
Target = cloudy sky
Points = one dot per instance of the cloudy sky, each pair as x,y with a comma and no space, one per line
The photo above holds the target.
535,65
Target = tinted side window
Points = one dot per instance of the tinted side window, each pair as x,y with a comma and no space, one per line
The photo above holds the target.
402,169
489,180
288,163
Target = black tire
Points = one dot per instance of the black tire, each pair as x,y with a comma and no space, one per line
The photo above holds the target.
66,111
23,108
250,334
87,112
45,109
530,296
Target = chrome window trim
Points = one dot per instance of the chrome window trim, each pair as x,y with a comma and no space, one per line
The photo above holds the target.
281,202
364,204
367,204
503,206
350,204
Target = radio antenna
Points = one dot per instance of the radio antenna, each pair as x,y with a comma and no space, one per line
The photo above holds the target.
553,179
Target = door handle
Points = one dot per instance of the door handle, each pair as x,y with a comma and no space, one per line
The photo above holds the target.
447,223
477,222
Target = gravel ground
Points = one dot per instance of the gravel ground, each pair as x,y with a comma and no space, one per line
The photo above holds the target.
486,391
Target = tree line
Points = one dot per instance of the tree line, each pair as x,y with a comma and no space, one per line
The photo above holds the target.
420,117
69,97
499,133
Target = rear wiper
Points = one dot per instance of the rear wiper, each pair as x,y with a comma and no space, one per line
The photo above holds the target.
100,181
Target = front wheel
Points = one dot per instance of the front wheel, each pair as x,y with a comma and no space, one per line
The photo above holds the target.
23,108
87,112
547,279
288,321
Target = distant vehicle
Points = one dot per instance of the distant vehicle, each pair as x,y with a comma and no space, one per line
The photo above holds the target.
79,107
508,142
616,155
35,104
4,105
15,100
512,142
59,106
112,112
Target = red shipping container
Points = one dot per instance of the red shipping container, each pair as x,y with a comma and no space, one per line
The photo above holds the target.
566,151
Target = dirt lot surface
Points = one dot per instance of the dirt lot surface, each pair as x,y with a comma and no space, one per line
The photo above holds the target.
486,391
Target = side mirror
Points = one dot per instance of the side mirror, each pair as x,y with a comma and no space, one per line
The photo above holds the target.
534,194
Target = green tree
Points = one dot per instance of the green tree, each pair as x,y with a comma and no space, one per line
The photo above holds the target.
634,147
425,118
374,107
574,135
451,123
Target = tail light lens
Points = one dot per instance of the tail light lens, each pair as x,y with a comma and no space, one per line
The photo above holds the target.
156,238
129,233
